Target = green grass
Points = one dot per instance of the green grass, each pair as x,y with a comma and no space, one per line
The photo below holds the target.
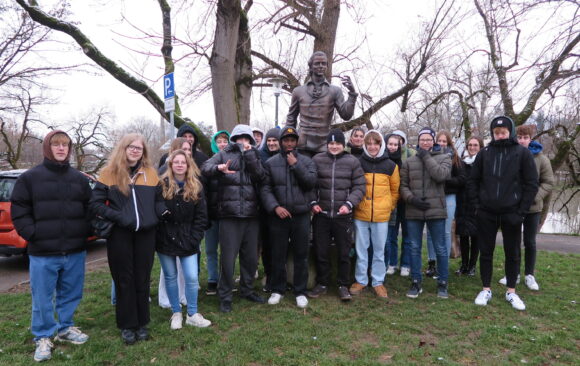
366,331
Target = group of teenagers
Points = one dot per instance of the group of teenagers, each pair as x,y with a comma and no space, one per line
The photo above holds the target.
261,195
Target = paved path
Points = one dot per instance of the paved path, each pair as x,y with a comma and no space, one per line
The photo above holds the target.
14,270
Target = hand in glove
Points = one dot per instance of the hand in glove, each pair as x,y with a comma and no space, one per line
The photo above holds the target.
421,153
420,203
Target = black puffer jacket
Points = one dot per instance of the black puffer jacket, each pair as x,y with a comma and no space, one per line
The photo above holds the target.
139,210
464,212
456,183
237,192
288,186
504,178
340,181
181,233
49,208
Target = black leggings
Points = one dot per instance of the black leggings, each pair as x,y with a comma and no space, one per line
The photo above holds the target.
531,224
469,251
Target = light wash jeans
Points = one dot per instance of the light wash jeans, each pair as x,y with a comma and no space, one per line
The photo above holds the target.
56,283
211,251
367,232
437,229
392,246
190,273
451,204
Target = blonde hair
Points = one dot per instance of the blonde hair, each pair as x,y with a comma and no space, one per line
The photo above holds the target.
117,167
178,143
60,138
192,187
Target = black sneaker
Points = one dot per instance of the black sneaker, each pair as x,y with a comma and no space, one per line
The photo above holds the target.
128,336
254,297
344,294
471,271
318,290
226,306
211,289
142,334
431,269
415,289
461,271
442,290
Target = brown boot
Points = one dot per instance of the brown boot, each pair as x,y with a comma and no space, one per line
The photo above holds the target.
381,292
356,288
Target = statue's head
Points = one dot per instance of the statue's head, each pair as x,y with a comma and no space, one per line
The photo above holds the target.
318,63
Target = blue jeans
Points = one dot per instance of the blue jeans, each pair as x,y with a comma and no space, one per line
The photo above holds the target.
437,229
56,283
450,201
391,250
211,251
367,232
189,268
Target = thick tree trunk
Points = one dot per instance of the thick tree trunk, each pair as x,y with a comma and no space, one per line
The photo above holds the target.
243,70
222,64
326,32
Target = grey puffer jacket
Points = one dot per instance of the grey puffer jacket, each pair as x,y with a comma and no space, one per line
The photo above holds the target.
425,178
288,186
238,194
341,180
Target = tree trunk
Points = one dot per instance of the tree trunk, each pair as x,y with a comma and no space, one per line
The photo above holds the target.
243,70
326,32
222,64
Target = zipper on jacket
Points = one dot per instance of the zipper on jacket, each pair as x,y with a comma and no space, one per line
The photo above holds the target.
135,205
332,189
373,198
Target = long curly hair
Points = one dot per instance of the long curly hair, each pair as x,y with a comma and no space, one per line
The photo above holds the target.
117,167
192,187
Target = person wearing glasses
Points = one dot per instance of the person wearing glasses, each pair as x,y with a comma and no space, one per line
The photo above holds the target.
423,179
130,184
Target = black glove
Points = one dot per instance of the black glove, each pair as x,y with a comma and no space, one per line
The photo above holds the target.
421,153
420,203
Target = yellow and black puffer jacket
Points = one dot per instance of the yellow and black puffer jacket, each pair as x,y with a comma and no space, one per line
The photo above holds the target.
382,188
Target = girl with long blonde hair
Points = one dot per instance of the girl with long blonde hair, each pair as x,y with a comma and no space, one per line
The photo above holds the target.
127,194
180,233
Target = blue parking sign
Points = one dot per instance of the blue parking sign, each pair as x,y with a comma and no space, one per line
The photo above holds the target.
168,86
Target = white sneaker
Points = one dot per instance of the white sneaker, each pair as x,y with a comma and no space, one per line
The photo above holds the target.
197,320
405,271
483,298
176,321
503,281
275,299
301,301
531,283
43,350
515,300
391,270
256,275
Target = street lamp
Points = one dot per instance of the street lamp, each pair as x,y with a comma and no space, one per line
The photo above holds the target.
277,84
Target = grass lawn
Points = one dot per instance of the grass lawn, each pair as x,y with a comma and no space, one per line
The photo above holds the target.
366,331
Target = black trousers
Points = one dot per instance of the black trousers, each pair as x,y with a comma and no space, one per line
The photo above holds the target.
266,247
324,230
531,224
511,228
131,256
291,233
469,251
238,236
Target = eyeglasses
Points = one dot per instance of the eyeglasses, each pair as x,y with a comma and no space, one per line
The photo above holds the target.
425,140
135,148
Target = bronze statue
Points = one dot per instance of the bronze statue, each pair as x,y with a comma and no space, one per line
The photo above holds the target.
315,102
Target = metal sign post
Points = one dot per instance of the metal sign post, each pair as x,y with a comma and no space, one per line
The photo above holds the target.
169,97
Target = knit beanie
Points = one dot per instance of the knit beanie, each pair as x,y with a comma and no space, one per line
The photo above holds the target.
336,135
427,130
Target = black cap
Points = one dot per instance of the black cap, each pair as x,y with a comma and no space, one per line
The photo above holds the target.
337,136
288,131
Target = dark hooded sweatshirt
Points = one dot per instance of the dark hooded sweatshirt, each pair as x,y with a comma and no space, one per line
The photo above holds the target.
503,177
49,206
197,156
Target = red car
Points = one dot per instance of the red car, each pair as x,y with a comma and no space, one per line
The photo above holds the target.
10,242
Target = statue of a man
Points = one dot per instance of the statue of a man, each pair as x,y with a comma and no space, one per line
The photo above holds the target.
315,103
